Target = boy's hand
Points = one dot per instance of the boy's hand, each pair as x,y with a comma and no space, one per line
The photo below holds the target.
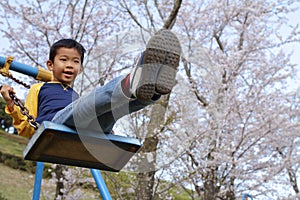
5,90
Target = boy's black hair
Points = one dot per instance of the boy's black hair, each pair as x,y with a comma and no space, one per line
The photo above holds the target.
67,43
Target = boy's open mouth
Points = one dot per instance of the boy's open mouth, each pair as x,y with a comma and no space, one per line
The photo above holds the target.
68,73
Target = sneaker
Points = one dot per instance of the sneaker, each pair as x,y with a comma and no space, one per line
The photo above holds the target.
155,73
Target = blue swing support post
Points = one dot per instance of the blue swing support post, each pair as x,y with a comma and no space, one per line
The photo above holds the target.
246,196
38,180
57,143
96,174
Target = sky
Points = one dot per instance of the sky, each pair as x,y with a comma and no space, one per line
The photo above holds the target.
294,19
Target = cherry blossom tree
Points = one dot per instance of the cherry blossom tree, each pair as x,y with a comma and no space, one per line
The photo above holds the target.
243,113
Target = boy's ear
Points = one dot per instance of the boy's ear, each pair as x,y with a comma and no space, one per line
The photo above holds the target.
49,65
81,69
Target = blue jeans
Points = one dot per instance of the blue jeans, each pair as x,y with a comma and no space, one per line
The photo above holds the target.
99,109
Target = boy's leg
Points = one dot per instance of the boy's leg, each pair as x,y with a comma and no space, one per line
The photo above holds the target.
105,122
153,76
97,102
100,108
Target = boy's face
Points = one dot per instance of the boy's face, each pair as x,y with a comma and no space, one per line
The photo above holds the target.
66,66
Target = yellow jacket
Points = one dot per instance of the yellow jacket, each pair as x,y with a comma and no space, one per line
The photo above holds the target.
31,103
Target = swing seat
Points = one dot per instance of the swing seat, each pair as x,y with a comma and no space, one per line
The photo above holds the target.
57,143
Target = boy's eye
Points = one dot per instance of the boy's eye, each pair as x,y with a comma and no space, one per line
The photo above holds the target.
63,59
76,61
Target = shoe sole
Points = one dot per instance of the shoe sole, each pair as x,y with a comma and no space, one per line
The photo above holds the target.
159,67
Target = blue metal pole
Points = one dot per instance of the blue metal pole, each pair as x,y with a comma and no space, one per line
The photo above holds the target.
101,184
37,73
21,68
246,195
38,180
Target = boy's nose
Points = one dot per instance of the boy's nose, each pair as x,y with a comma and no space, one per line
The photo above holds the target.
69,64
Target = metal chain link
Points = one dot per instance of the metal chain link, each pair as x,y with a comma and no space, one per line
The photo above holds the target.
24,111
4,70
18,102
17,81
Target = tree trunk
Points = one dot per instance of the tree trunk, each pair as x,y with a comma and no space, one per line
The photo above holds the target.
146,179
210,187
59,194
209,190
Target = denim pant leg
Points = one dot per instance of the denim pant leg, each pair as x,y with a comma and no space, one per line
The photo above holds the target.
99,109
108,120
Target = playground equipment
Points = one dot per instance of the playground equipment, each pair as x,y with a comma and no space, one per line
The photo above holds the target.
57,143
246,196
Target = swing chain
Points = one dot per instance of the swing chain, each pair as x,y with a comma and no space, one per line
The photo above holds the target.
4,71
24,111
17,80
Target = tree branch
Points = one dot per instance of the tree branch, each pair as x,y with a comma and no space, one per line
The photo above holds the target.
194,87
172,17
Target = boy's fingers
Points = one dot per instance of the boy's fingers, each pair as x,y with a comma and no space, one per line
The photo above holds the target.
5,90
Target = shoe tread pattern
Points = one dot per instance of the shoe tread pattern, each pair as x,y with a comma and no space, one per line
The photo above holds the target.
161,60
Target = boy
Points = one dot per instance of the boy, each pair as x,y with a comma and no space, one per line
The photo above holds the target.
56,101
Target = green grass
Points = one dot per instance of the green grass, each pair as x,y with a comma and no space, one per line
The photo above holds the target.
15,184
12,144
18,185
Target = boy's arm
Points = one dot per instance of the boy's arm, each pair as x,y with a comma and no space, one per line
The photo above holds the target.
19,120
